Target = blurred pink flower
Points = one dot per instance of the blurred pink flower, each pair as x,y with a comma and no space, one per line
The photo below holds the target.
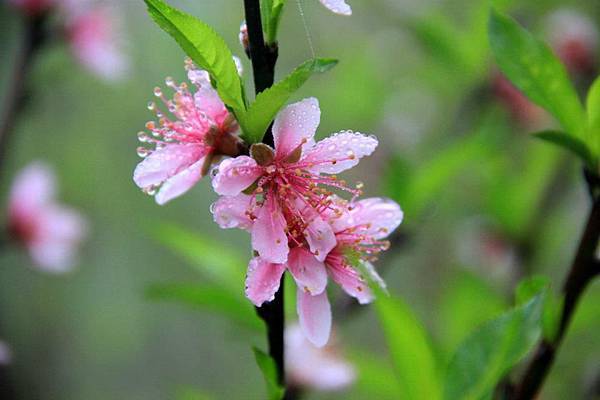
202,131
95,40
337,6
51,232
33,7
520,108
575,39
322,369
5,354
359,228
286,183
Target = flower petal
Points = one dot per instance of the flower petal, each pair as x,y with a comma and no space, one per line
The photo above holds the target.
295,123
166,162
339,152
230,211
314,314
180,183
262,280
34,187
337,6
351,281
268,233
320,237
309,273
235,175
375,216
208,101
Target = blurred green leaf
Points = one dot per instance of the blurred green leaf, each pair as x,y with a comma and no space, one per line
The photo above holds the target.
530,287
203,45
532,67
408,343
459,313
188,393
375,378
267,104
221,263
571,143
269,370
593,114
212,298
483,358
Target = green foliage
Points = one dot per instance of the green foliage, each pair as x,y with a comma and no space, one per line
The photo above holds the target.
269,370
188,393
484,357
375,377
412,356
203,45
271,15
209,297
571,143
530,287
262,111
593,114
532,67
220,263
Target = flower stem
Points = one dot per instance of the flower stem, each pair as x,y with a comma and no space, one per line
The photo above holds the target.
263,59
584,269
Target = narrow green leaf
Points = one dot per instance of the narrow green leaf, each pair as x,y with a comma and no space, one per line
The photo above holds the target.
276,11
530,287
211,298
261,113
203,45
593,114
571,143
484,357
412,356
220,263
269,370
532,67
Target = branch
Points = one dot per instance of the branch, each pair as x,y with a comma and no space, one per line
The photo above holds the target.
263,67
583,270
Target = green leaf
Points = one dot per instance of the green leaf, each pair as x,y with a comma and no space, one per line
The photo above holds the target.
530,287
484,357
269,370
412,356
261,113
375,377
203,45
211,298
271,15
571,143
593,115
222,264
532,67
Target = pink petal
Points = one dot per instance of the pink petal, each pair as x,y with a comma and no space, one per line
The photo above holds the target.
351,281
295,123
314,314
208,101
309,273
53,256
320,237
166,162
340,152
180,183
34,187
337,6
235,175
230,211
268,233
262,280
375,216
375,277
5,354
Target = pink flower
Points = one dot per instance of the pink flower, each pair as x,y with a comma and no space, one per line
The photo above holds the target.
50,232
321,369
286,183
33,7
95,40
5,354
521,110
359,229
337,6
201,131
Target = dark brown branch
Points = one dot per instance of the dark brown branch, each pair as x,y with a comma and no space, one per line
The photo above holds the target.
583,270
263,59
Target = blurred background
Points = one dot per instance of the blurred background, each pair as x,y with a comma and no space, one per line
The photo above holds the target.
485,204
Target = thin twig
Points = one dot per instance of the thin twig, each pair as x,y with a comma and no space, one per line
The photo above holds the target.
263,67
583,270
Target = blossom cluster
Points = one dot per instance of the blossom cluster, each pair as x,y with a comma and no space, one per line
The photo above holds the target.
287,196
91,29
